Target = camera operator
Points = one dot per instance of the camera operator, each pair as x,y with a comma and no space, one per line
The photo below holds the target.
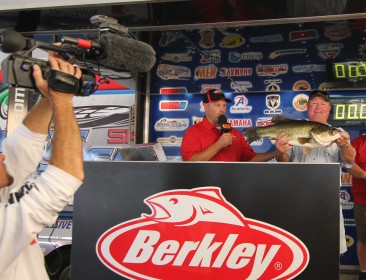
28,200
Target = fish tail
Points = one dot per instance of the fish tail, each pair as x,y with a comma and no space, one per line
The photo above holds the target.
251,134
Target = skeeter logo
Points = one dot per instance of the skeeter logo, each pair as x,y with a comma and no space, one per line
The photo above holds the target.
197,234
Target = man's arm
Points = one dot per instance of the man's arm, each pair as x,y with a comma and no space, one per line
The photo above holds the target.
39,118
357,172
262,157
67,143
347,152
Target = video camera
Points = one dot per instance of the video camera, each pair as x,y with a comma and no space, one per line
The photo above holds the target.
17,68
17,71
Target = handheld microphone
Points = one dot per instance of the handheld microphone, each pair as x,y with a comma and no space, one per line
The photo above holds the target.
113,51
225,126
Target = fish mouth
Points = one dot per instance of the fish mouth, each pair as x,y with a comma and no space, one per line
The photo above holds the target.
158,212
327,139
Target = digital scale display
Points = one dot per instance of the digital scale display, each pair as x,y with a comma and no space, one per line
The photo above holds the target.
349,70
346,74
348,111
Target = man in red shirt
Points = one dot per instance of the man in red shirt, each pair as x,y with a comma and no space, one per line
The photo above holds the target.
205,141
358,191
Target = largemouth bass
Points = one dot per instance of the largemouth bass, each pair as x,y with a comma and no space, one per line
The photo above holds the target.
303,133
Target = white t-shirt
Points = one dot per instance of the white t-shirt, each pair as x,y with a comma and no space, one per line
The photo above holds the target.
30,203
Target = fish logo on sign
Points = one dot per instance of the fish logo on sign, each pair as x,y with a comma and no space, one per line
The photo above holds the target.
197,234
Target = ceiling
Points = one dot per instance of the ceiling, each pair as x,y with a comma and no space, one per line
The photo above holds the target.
183,14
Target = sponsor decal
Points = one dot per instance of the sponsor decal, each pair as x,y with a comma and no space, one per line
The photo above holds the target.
240,122
196,119
345,196
102,115
237,57
271,70
235,72
349,240
4,102
301,85
302,35
198,234
172,72
205,72
300,102
170,141
346,179
347,205
278,53
273,87
173,90
263,121
308,68
273,102
267,39
241,86
329,50
169,37
176,105
204,87
177,57
349,222
207,38
166,124
213,56
240,105
232,41
326,85
62,224
337,31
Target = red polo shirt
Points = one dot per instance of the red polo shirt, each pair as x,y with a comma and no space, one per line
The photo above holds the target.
358,189
200,136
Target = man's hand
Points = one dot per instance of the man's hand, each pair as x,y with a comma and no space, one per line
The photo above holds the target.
282,143
58,64
226,139
282,146
344,140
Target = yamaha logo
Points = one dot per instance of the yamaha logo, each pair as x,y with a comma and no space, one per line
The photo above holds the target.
197,234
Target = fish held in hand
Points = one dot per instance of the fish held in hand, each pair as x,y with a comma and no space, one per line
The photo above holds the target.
303,133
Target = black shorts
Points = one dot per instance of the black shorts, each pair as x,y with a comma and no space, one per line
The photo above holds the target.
360,219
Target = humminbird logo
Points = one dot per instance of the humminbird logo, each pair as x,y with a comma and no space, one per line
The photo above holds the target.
197,234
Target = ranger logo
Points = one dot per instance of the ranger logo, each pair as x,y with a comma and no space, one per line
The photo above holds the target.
197,234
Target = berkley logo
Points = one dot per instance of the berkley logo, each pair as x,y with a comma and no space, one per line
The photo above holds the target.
197,234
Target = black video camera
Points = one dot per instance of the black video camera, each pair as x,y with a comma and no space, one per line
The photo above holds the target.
17,71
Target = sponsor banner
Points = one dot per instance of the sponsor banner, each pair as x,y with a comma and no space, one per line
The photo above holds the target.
229,55
170,222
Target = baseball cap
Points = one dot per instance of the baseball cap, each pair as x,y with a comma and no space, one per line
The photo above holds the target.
213,95
320,93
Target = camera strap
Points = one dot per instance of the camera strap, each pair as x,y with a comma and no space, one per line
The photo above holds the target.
62,82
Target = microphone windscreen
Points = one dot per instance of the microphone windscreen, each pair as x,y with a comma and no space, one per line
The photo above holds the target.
12,41
124,53
222,119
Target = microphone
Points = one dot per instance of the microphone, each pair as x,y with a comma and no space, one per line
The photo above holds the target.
225,126
113,51
12,42
121,52
84,44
